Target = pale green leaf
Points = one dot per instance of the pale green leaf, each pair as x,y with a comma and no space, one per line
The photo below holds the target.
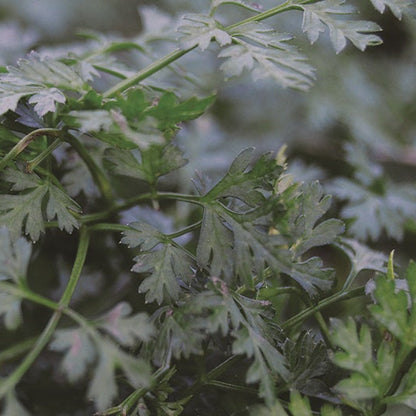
40,78
267,54
358,387
128,330
80,352
199,30
324,13
10,309
14,257
397,7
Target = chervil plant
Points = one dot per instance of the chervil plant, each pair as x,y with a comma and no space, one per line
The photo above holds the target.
125,291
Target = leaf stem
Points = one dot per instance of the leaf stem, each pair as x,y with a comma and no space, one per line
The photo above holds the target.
337,297
30,166
98,175
146,72
185,230
16,350
44,338
25,142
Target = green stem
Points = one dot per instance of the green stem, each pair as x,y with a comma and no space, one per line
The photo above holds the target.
16,350
232,387
185,230
212,375
192,199
287,5
98,175
337,297
38,159
146,72
25,141
44,338
103,226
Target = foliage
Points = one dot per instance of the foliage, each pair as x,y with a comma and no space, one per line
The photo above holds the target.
233,282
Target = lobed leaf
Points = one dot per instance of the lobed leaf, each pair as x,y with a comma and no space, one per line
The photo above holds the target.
40,78
323,13
168,266
25,210
397,7
266,53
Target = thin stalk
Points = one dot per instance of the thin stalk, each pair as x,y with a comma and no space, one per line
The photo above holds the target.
134,397
25,142
16,350
146,72
192,199
337,297
103,226
232,387
186,230
44,338
41,156
212,375
98,175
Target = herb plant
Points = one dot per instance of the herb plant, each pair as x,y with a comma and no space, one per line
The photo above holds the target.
230,305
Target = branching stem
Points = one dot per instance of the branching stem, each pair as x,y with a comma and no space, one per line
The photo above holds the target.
44,338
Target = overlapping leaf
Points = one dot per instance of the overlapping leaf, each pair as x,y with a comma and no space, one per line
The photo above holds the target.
25,210
237,242
324,13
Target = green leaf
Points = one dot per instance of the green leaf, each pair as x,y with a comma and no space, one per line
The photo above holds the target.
358,387
41,79
397,7
391,309
307,361
80,352
14,257
169,112
313,204
237,242
147,165
25,210
323,13
266,54
179,334
169,267
370,377
129,331
299,405
199,30
266,360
